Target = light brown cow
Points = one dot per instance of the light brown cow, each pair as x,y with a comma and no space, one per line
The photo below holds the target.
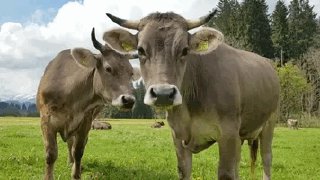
75,86
157,124
100,125
212,92
292,123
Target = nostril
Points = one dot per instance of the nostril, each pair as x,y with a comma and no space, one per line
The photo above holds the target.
124,100
173,93
127,102
152,93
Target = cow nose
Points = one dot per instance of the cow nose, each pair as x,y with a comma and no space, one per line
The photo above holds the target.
127,101
163,95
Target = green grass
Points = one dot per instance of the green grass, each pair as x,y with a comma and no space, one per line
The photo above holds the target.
133,150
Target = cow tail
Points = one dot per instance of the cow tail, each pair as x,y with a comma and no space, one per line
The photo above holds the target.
253,155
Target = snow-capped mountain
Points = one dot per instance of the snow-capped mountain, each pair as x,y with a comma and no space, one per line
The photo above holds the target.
18,105
20,98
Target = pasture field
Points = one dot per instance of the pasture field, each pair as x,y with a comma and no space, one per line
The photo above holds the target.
133,150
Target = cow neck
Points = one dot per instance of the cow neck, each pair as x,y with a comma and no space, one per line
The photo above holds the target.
95,97
193,85
86,90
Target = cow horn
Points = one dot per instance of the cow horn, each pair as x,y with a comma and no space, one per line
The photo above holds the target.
123,22
95,42
202,20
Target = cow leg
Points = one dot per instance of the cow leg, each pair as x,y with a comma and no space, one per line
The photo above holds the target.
229,151
51,148
184,157
265,149
70,144
77,153
80,141
238,158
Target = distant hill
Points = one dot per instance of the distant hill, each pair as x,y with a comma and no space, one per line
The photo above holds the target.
19,105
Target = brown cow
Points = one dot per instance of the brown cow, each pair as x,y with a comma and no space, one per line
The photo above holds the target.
212,92
100,125
157,124
292,123
75,86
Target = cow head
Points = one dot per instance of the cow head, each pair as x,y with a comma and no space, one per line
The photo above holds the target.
112,72
163,42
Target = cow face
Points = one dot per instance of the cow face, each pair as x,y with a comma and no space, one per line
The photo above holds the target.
163,42
112,73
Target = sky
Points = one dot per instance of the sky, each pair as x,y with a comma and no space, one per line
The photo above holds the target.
32,32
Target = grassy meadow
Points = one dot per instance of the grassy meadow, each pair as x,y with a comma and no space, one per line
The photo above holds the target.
133,150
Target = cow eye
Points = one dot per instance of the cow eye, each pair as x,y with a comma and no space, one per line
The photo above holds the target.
141,51
109,69
185,51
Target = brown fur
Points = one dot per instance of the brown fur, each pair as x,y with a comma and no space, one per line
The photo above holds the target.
163,18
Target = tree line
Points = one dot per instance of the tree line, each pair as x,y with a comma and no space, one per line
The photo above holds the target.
288,31
18,109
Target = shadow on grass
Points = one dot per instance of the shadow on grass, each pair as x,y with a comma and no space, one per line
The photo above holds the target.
96,169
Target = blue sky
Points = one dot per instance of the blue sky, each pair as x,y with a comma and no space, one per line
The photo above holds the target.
22,10
32,32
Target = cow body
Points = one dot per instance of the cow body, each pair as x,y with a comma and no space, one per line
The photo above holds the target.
225,83
59,92
100,125
211,91
74,88
157,124
292,123
227,93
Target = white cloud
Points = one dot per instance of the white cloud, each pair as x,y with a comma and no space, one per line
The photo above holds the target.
26,49
18,82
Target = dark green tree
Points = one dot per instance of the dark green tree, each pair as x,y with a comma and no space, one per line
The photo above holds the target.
302,27
316,40
227,21
227,17
110,111
140,110
24,107
3,105
256,27
280,30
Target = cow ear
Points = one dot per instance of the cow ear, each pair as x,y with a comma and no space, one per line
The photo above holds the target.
136,73
205,40
121,40
84,57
